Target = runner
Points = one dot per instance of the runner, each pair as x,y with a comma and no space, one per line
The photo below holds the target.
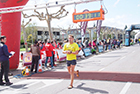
71,49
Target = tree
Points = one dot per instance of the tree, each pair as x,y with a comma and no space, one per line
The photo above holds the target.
24,34
28,34
48,17
31,32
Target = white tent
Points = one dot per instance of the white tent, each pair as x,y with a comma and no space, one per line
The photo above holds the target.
137,35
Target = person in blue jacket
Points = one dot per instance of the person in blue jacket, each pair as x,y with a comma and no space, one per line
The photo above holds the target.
4,61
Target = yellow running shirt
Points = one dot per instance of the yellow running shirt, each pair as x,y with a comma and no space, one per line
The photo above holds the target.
71,47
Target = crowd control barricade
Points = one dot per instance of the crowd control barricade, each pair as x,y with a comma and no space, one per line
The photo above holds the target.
80,54
100,48
87,52
62,57
105,47
109,47
59,55
43,55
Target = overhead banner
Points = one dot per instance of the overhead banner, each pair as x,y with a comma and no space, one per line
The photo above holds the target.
83,27
99,23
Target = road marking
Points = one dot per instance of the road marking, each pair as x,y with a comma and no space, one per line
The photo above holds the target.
133,52
126,87
122,57
101,69
50,82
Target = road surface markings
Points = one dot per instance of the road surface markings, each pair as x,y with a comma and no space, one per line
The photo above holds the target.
122,57
133,52
50,82
126,87
16,87
101,69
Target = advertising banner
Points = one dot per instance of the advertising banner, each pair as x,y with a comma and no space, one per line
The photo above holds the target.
99,23
100,48
87,51
60,56
43,55
83,27
27,58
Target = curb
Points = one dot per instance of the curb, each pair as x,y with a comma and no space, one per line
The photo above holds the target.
106,76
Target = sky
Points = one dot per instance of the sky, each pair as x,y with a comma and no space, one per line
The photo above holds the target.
119,13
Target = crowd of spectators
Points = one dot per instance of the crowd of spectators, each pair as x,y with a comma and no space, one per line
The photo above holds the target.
50,46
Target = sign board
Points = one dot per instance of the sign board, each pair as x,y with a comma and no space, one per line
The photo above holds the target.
88,16
27,57
101,48
87,51
137,26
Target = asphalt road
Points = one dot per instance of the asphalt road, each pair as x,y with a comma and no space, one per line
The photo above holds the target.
124,60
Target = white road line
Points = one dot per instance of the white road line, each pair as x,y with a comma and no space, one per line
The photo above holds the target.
122,57
28,85
49,83
133,52
126,87
101,69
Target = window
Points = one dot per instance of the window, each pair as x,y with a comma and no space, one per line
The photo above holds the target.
54,33
68,32
39,32
57,33
79,31
46,33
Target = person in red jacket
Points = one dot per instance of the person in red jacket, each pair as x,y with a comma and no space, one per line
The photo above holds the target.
53,54
49,50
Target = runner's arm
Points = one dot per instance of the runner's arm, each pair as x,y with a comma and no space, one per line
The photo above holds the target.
76,52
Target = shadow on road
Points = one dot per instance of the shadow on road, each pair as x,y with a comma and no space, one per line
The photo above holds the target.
91,90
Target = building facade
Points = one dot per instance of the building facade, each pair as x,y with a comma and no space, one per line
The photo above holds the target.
62,34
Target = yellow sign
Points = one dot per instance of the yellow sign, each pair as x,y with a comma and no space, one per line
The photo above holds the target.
27,57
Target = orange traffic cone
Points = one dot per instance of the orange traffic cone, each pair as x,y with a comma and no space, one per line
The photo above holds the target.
57,55
40,68
27,71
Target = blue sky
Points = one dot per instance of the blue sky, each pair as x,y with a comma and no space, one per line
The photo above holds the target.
120,13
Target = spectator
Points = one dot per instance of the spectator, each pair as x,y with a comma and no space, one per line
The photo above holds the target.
53,54
4,61
89,44
118,44
35,56
94,44
49,50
